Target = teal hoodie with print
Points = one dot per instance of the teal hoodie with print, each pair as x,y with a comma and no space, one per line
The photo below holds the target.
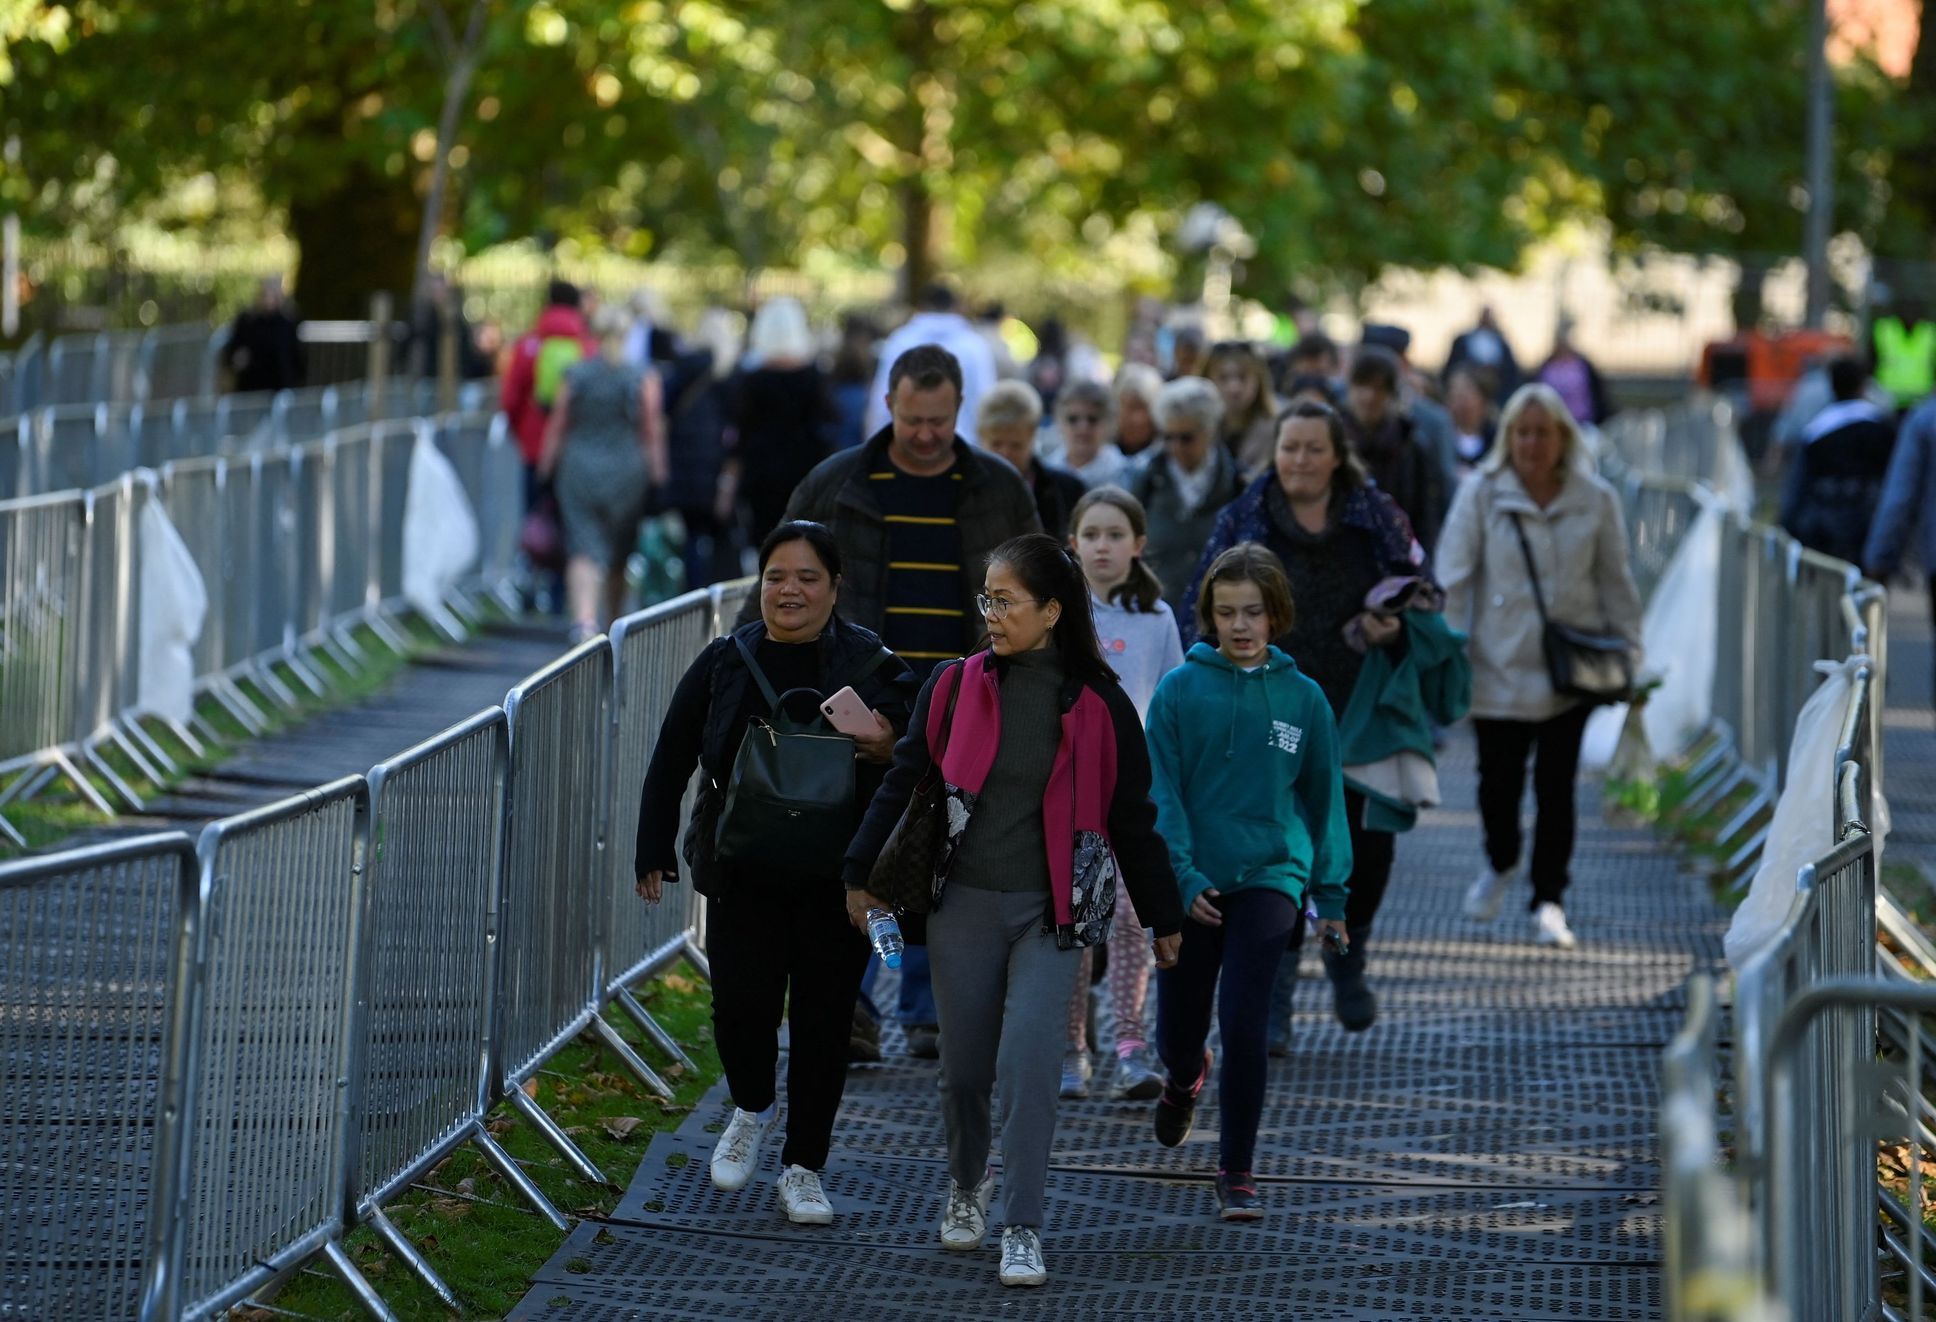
1247,780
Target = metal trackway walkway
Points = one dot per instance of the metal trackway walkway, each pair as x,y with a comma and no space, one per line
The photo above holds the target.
434,692
1486,1151
1909,732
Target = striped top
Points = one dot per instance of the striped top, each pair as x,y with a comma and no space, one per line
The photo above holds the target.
924,615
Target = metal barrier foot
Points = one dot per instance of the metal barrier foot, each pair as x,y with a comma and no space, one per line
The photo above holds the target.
223,690
308,678
697,958
266,679
154,770
401,1246
387,633
113,778
505,1165
82,785
651,1028
630,1058
557,1137
139,734
365,1293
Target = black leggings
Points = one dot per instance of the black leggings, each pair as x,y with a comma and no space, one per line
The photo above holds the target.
1554,746
1243,954
792,952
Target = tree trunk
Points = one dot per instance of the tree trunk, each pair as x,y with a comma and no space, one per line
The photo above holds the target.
917,225
353,241
462,57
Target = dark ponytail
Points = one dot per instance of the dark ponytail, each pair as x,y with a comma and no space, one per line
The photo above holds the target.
1050,573
1142,589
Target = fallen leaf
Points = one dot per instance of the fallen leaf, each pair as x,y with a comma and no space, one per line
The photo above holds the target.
467,1186
453,1209
499,1126
531,1089
674,1070
576,1131
674,1108
621,1127
680,983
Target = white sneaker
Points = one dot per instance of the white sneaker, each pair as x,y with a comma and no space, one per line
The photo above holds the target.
1549,927
965,1222
1484,897
801,1198
738,1150
1022,1257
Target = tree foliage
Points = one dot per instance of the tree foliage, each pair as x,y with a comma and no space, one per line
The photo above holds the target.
1345,135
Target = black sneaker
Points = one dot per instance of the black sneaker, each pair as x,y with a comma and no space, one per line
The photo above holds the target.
1237,1197
1176,1109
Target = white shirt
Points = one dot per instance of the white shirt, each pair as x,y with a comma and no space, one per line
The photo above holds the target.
1192,488
953,332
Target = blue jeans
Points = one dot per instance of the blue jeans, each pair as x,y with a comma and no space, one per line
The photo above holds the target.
917,989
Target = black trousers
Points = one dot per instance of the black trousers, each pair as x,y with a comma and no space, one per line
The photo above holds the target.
1372,853
789,952
1554,746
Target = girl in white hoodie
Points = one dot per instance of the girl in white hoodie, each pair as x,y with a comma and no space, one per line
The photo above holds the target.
1140,640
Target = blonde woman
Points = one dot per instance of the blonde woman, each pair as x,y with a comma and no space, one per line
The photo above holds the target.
1250,408
1537,482
782,413
1137,387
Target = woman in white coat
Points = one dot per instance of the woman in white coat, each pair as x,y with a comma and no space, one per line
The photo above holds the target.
1538,474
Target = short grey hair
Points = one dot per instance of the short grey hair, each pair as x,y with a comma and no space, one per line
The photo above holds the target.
1190,399
1007,404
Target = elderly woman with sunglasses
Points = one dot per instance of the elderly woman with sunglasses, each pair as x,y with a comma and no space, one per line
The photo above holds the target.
1084,422
1186,484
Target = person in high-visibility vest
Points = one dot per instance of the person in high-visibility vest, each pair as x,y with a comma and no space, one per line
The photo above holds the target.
1905,357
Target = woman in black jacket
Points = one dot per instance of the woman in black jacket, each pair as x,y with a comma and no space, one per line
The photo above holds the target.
776,938
1047,780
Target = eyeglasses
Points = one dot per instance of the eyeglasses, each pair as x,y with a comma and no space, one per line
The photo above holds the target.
1087,419
996,608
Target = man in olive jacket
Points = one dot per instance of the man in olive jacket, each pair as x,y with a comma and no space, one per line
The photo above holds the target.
916,511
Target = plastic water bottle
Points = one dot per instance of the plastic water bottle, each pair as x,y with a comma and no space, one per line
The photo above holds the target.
884,930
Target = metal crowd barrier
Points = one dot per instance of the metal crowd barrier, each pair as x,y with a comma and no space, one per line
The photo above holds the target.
553,914
96,948
1792,1230
273,1035
437,852
272,1067
297,548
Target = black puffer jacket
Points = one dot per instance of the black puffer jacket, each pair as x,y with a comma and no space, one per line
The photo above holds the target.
700,729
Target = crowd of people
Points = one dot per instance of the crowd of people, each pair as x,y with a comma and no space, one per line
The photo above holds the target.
1155,669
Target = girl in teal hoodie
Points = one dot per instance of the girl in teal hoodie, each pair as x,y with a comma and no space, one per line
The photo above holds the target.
1250,798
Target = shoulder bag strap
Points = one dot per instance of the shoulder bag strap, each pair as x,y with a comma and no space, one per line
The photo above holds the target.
759,676
880,658
948,716
1532,571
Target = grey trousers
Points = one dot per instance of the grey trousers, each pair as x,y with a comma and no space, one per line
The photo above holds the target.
1002,991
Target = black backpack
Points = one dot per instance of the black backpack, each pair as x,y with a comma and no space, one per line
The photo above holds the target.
790,801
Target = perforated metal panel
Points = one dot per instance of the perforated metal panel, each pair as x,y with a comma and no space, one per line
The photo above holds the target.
1488,1150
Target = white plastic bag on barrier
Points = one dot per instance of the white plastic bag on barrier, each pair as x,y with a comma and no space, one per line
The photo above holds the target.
1733,480
1803,828
439,532
174,603
1680,634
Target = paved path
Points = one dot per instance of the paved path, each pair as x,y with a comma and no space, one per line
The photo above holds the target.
1487,1151
434,692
